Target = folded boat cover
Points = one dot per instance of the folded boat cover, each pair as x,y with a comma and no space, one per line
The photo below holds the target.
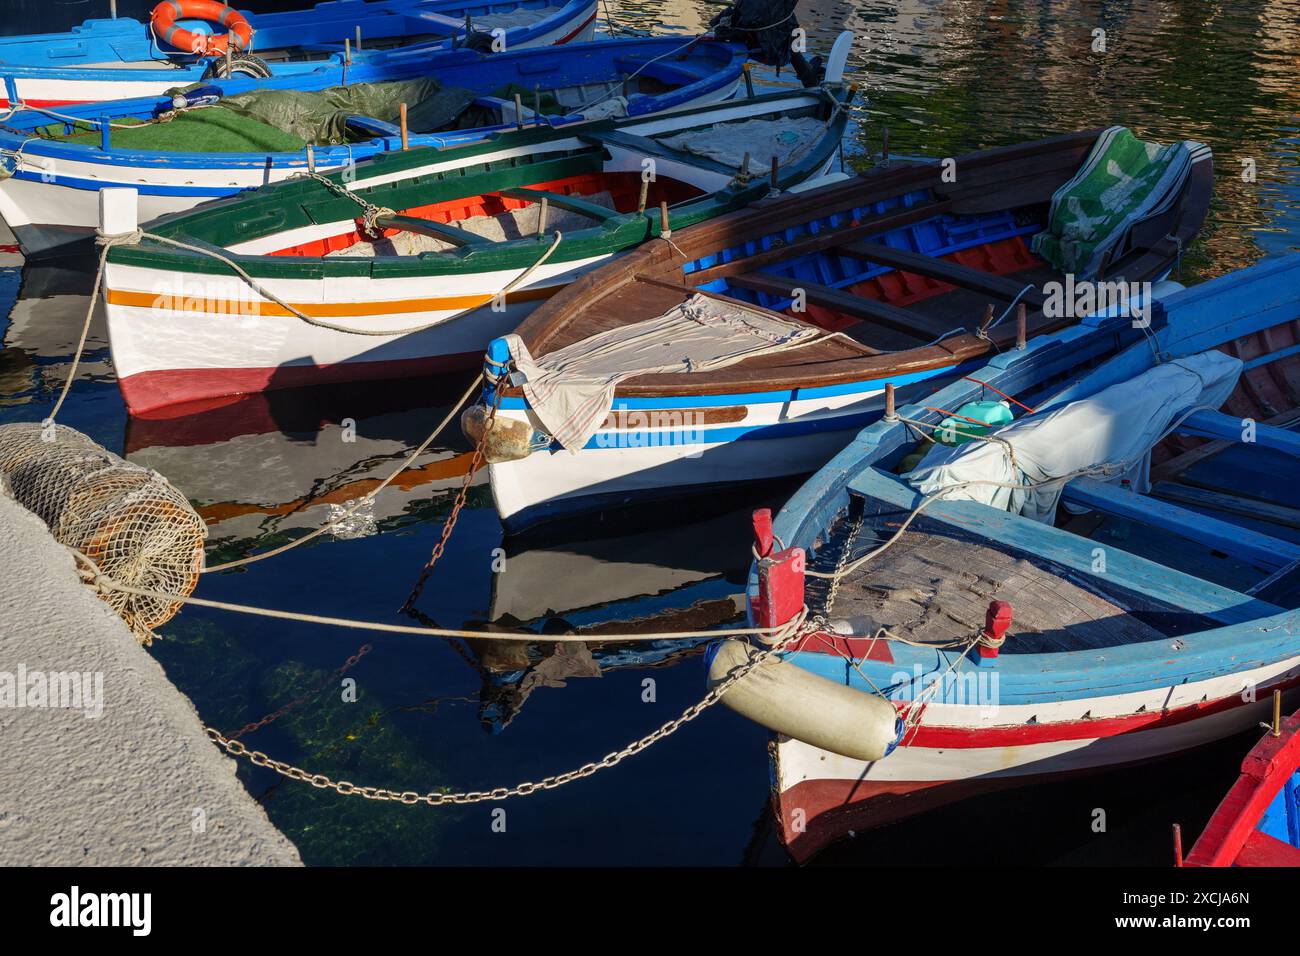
1118,426
787,138
572,390
1123,181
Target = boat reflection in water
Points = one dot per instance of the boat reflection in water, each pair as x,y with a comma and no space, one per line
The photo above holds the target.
637,576
265,467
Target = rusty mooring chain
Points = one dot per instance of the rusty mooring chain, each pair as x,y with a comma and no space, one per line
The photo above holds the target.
303,698
798,627
450,524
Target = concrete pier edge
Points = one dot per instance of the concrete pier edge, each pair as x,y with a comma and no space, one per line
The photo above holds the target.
141,784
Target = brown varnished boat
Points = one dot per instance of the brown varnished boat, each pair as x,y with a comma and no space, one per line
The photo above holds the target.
915,270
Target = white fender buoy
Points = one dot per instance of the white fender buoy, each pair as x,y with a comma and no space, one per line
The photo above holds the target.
838,57
792,701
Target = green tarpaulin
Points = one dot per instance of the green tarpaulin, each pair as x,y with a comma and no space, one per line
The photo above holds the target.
286,120
1123,180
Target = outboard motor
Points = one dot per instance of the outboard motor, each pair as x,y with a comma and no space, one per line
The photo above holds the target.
767,28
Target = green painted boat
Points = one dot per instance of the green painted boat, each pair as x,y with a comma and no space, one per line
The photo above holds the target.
412,262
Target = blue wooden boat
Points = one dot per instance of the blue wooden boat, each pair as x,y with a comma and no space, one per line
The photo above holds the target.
1258,822
51,214
963,642
110,59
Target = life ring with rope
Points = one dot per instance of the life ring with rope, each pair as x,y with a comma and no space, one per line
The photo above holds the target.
164,17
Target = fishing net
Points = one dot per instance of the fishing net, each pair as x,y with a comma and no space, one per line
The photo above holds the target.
129,520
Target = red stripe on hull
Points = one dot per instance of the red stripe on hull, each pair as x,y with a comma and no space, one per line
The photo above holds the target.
585,24
976,738
4,103
148,391
816,813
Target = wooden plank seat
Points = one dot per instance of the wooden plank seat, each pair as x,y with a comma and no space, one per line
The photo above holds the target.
953,273
434,230
921,327
562,201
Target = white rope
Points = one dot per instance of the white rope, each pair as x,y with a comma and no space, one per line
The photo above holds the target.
98,578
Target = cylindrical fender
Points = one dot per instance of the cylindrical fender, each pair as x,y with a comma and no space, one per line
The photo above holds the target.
792,701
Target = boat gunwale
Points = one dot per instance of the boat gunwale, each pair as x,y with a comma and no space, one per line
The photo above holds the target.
488,256
728,72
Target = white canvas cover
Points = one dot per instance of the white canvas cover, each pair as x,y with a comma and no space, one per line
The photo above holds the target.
787,138
572,390
1118,425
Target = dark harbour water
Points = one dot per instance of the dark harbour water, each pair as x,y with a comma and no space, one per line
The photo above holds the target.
945,77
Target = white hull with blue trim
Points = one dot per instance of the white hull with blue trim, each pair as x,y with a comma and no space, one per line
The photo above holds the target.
916,279
50,196
122,58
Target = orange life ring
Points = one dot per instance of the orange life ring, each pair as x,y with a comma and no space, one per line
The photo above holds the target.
164,17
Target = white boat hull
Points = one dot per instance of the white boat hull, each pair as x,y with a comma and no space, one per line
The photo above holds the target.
964,750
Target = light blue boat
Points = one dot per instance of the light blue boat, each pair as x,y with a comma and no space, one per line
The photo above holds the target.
110,59
971,635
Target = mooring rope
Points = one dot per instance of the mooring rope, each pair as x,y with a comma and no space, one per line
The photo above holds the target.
781,637
96,577
796,628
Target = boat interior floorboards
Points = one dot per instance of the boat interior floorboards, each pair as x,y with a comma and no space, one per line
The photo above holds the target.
936,588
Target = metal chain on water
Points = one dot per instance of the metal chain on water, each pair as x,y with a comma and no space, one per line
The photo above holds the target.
799,626
281,711
450,524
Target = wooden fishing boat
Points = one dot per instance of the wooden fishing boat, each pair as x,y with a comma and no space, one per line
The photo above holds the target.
912,271
239,138
112,59
969,634
1258,822
411,263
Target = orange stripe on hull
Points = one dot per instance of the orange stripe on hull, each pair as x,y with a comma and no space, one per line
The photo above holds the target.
318,310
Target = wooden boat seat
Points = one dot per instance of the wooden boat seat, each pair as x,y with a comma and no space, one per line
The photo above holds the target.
434,230
952,273
921,327
562,201
935,589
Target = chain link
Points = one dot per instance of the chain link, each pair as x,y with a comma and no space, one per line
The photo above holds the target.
370,212
798,628
280,712
450,524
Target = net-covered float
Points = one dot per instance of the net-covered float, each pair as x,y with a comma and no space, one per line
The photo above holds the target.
415,262
188,41
222,137
1258,822
756,345
1111,577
